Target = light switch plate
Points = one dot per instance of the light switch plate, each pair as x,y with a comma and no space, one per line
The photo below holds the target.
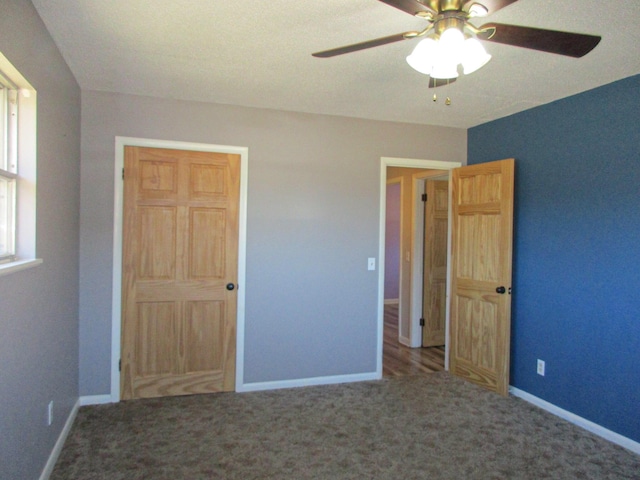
371,265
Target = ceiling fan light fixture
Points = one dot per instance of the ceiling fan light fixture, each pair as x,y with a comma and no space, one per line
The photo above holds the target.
474,56
445,70
423,56
451,45
440,56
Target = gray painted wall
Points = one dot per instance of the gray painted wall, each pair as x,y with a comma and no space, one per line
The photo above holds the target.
39,306
392,243
313,213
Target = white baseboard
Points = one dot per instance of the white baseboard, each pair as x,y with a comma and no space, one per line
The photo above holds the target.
306,382
592,427
57,448
391,301
95,400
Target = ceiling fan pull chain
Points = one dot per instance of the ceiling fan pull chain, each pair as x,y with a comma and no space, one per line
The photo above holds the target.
447,102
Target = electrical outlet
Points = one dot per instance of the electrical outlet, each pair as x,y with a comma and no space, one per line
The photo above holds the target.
50,413
540,367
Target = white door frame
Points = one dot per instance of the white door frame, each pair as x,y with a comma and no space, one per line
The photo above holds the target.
118,202
407,163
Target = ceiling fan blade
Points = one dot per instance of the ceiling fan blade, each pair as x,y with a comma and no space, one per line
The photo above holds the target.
411,7
440,82
364,45
491,5
563,43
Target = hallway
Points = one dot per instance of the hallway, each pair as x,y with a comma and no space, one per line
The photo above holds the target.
399,360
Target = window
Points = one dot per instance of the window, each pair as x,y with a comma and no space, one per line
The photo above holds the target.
17,169
8,167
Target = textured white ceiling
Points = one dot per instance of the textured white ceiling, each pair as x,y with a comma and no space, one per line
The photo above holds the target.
259,54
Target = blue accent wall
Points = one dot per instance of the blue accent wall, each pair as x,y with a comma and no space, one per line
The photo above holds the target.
576,276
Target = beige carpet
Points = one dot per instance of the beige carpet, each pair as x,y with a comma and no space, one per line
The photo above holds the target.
422,427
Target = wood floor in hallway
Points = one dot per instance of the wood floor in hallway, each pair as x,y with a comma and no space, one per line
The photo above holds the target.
399,360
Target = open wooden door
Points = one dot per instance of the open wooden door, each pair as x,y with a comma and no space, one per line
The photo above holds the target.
482,238
180,267
434,294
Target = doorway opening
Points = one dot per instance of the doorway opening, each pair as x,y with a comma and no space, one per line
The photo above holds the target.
412,176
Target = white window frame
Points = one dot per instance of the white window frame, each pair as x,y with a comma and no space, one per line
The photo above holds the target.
18,167
8,164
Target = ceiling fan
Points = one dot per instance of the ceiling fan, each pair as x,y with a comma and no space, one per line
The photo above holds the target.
451,39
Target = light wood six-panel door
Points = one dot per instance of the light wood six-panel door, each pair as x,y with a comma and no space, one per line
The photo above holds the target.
180,264
482,238
436,224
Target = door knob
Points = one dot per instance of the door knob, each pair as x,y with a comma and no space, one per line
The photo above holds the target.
501,290
230,286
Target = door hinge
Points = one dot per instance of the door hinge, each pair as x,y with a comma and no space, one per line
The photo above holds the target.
424,197
120,365
422,322
123,173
